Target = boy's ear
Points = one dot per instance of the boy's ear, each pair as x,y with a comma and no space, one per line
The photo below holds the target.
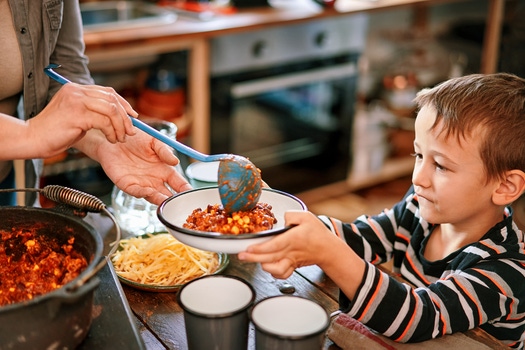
510,188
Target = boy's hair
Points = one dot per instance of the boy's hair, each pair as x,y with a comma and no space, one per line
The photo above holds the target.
490,104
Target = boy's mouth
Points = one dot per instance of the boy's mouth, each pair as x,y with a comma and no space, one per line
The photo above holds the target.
419,196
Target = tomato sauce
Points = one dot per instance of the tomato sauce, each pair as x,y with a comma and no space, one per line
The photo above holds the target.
215,219
33,264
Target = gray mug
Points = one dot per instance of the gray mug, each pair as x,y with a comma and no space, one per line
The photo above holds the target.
216,312
288,322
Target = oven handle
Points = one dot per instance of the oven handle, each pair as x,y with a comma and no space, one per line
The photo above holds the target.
258,86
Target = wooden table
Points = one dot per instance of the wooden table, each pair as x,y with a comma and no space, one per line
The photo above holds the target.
159,318
161,322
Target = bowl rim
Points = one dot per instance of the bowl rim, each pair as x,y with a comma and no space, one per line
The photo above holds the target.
217,235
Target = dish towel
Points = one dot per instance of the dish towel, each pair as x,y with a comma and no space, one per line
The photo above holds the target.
348,333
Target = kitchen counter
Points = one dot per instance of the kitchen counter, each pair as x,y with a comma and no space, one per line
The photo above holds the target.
194,36
245,20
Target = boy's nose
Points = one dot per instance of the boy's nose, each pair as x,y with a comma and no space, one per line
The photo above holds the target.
419,176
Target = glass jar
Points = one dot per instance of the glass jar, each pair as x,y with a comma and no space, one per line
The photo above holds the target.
137,216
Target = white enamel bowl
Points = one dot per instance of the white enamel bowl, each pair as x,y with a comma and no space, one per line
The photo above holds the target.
174,211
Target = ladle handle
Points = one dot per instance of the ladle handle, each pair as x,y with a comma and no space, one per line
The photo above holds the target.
180,147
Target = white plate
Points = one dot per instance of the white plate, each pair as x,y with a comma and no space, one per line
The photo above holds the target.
174,211
203,171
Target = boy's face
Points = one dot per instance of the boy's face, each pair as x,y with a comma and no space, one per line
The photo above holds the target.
449,176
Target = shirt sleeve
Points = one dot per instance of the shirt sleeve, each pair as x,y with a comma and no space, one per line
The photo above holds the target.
69,48
461,301
383,237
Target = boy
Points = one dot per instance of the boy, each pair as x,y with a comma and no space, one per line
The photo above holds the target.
452,236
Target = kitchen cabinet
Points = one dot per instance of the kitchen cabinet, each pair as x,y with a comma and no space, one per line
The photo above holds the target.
195,36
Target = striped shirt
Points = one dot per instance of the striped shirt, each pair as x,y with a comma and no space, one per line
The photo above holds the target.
481,284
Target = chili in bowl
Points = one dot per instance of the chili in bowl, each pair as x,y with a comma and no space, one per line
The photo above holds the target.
196,218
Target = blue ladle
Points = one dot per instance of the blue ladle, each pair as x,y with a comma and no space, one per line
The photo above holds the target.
239,181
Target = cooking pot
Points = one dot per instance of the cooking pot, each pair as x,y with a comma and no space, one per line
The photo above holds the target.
59,319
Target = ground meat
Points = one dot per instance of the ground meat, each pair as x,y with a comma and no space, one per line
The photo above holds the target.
215,219
32,264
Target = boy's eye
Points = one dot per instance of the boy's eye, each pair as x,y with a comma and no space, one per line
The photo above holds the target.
419,156
439,166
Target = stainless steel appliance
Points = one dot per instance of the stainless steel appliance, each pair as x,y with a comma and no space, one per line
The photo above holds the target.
284,97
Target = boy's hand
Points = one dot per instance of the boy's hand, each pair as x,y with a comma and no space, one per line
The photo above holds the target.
302,245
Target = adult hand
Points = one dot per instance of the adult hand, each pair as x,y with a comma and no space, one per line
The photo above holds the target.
306,243
142,166
76,109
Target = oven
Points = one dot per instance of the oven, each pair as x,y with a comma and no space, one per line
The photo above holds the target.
284,98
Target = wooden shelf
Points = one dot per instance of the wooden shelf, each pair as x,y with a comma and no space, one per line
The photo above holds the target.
392,169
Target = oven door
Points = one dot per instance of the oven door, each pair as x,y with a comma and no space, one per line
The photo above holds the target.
295,126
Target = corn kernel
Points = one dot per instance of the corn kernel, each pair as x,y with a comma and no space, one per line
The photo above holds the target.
246,219
235,230
236,217
30,243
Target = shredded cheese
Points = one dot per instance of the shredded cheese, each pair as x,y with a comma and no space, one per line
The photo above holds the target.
161,260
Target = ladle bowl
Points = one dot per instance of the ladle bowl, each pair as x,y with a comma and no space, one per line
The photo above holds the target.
240,182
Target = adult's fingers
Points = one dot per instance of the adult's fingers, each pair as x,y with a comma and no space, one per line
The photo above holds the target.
104,102
164,152
158,197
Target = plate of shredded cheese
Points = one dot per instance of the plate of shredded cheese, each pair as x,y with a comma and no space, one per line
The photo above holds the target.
158,262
